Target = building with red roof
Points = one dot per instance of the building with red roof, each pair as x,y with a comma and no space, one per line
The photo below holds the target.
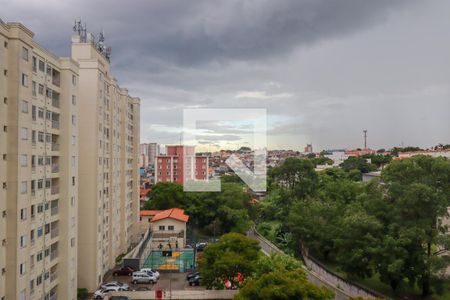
168,227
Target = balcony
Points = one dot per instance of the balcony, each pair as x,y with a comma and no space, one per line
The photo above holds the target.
55,99
54,210
53,254
55,147
54,232
55,189
55,168
53,277
55,124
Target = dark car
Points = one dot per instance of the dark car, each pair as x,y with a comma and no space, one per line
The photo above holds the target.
191,275
124,271
196,280
200,246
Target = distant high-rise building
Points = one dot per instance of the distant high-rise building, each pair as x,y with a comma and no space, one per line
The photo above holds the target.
309,148
108,166
149,151
39,139
153,151
169,167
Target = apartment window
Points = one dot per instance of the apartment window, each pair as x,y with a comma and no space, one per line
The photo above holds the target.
33,137
39,256
41,113
74,120
38,280
171,227
73,139
40,184
41,89
40,208
23,214
74,80
24,53
24,106
162,227
40,137
33,88
24,80
23,187
41,66
72,242
74,100
5,44
23,160
32,285
48,184
22,271
23,241
73,180
24,133
33,113
33,209
72,201
34,59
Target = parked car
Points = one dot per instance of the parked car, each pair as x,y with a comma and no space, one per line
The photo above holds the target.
124,271
196,280
101,293
200,246
143,277
122,286
192,274
150,272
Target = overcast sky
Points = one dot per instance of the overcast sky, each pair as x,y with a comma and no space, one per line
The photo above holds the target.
324,70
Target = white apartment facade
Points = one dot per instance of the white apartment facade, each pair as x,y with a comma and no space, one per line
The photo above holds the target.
38,169
108,165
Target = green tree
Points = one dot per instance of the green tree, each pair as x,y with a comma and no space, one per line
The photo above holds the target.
358,163
297,176
282,285
419,188
165,195
233,254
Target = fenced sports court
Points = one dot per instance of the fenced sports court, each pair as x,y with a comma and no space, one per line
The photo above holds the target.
177,260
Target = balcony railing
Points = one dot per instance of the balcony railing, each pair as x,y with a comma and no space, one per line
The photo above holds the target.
53,276
55,189
54,210
54,232
55,101
55,124
53,255
55,147
55,168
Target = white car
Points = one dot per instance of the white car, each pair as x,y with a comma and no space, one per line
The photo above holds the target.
143,277
150,272
122,286
101,293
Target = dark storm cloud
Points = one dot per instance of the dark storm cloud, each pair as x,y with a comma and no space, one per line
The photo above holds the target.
152,35
323,69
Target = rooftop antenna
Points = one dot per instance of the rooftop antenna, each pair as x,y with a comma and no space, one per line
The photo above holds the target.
365,139
80,29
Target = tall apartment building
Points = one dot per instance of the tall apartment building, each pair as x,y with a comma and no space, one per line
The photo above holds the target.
38,169
180,164
148,154
153,151
108,165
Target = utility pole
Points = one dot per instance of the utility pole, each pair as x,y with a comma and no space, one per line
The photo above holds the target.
365,139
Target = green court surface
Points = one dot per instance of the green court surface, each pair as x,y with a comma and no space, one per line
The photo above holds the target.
181,260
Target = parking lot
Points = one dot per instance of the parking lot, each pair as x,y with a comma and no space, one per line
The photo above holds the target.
166,282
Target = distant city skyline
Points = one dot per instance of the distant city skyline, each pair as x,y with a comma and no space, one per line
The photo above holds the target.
323,70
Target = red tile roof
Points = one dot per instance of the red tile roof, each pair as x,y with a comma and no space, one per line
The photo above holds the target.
173,213
149,212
